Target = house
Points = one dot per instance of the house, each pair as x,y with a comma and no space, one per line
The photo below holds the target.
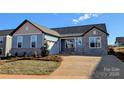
5,42
119,41
29,37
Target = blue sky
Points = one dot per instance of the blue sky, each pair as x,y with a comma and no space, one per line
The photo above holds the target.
113,21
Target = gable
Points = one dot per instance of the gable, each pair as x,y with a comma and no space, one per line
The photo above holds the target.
26,29
119,40
97,31
80,30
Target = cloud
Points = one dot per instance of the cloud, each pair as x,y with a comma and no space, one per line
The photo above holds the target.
84,17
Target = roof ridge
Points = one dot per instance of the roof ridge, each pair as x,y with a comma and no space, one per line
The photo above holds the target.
80,25
6,29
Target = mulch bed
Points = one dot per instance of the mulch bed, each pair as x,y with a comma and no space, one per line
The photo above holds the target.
48,58
119,55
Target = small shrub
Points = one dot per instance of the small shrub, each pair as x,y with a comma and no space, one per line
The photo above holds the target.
44,49
111,51
35,54
44,52
16,54
52,58
8,55
24,54
120,55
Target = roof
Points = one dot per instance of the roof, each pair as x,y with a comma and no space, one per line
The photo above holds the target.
47,30
79,30
62,31
41,28
6,32
119,39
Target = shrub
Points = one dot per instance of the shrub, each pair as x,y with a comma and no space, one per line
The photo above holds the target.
52,58
24,54
44,49
35,54
8,55
47,58
44,52
111,51
16,54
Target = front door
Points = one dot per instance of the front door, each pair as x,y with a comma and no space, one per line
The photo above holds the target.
67,45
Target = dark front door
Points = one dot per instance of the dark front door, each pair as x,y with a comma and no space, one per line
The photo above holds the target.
67,45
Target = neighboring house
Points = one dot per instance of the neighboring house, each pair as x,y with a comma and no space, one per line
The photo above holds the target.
29,37
5,42
119,41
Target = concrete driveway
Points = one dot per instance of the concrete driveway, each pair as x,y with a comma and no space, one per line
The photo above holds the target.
82,67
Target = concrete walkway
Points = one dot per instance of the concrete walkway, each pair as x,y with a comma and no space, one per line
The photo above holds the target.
81,67
76,67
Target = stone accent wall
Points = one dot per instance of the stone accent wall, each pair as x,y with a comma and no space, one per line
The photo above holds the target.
26,29
95,51
28,51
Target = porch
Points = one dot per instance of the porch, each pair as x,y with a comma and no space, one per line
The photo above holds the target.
71,46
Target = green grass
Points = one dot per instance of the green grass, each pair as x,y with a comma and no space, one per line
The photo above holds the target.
29,67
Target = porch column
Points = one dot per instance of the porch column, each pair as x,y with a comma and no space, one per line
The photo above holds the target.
74,43
60,46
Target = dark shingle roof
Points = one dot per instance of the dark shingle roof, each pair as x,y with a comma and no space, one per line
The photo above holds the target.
62,31
41,28
119,40
6,32
79,30
46,30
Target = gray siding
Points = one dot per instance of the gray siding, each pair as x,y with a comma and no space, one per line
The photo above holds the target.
55,48
84,49
26,41
14,42
95,51
26,29
79,48
3,46
26,45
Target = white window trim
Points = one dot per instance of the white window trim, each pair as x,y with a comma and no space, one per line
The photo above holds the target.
18,41
95,37
79,39
94,32
2,40
31,41
27,28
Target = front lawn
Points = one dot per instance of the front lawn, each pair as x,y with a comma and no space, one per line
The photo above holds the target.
29,67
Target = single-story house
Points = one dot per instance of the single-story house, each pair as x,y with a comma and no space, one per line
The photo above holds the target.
29,37
119,41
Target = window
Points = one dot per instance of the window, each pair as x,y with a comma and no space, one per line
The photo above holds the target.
79,40
94,32
26,28
94,42
69,43
1,40
1,51
33,41
19,41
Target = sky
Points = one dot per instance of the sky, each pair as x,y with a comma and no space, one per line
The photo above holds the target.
114,21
